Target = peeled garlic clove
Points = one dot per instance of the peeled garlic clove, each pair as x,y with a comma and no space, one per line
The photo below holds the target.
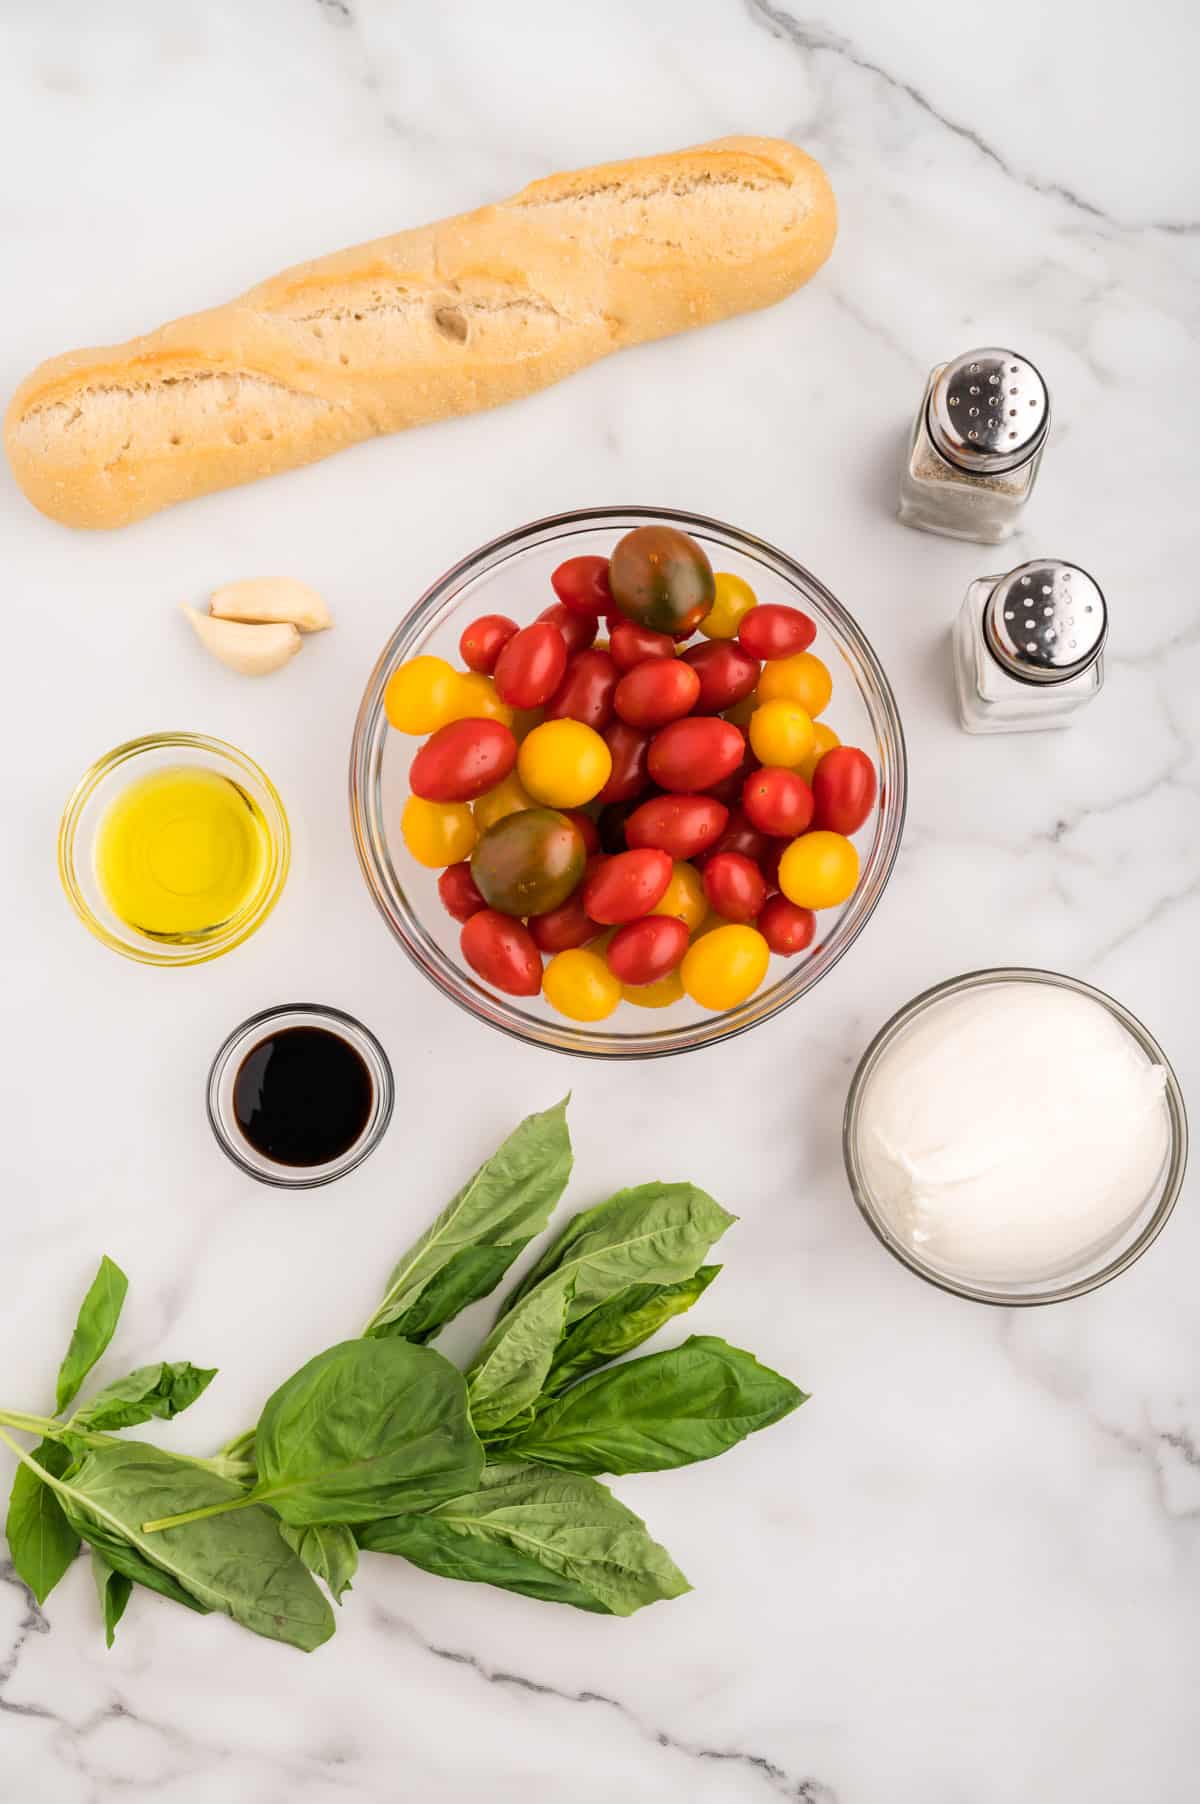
249,649
272,598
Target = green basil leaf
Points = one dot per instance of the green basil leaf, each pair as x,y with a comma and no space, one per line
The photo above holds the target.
41,1541
511,1368
328,1549
550,1535
619,1326
370,1428
113,1590
475,1239
658,1412
159,1390
94,1328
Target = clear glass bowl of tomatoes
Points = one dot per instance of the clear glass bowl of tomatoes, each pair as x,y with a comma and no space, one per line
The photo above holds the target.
542,864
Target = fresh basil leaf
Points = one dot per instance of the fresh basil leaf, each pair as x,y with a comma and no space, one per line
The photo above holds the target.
41,1541
113,1589
94,1328
328,1549
160,1390
619,1326
511,1369
475,1239
658,1412
550,1535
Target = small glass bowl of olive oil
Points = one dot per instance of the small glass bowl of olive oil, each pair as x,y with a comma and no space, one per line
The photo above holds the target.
173,848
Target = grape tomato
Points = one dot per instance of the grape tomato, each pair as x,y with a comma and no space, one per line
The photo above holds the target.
725,966
733,600
727,675
629,645
420,695
656,692
437,833
578,630
626,885
502,952
802,679
581,584
629,750
531,665
734,886
844,789
645,950
462,761
562,928
586,691
484,640
740,835
681,825
694,754
772,631
458,893
778,802
786,928
579,985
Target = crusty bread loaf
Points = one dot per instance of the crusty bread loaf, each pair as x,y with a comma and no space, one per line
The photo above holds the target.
440,320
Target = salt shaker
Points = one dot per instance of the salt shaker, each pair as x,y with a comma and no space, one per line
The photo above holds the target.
976,446
1027,648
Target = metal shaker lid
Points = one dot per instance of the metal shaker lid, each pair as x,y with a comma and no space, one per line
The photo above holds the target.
989,411
1045,622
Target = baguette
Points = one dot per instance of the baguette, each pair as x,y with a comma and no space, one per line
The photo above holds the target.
440,320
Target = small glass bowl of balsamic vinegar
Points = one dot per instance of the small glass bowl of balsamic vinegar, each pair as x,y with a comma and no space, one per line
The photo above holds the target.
173,848
299,1095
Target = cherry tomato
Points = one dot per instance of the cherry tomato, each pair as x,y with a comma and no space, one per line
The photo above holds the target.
508,797
781,732
563,763
629,751
740,836
694,754
561,928
661,578
462,761
456,887
528,863
818,870
586,691
643,951
824,740
658,691
437,833
683,897
626,886
786,928
729,789
734,599
726,675
630,645
581,584
502,952
843,789
725,966
578,630
684,826
420,695
587,826
475,698
801,678
771,631
778,802
579,985
531,666
734,886
484,640
662,994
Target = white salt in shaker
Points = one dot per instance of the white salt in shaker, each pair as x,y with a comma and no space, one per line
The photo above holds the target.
976,446
1027,648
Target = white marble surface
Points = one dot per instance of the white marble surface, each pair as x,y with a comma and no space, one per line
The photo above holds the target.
966,1572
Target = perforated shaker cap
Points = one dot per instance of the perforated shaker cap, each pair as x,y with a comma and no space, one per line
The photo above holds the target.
1045,622
989,411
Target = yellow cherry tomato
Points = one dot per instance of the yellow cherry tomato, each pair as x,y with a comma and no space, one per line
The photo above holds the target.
801,678
579,985
420,697
735,598
564,764
508,797
723,967
475,699
684,897
660,994
781,733
741,711
824,740
438,833
818,870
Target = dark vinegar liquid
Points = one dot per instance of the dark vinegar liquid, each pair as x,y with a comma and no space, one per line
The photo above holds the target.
303,1096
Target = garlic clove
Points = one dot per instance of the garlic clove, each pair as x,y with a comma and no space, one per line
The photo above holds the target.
272,598
252,650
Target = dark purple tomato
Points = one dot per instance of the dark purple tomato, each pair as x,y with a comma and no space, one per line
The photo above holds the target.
660,578
528,863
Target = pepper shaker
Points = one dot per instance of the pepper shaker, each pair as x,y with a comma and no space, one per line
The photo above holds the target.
1027,648
976,446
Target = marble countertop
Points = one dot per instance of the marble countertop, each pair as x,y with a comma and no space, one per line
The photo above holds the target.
966,1572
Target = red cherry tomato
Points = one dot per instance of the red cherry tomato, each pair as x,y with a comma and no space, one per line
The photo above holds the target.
740,836
734,886
484,640
581,584
456,887
629,750
726,674
502,951
843,789
658,691
587,827
683,826
729,789
564,927
461,761
778,802
578,630
771,631
531,666
631,644
786,928
626,886
695,754
586,691
645,950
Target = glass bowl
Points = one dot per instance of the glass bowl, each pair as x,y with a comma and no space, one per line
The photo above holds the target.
1099,1264
86,807
512,576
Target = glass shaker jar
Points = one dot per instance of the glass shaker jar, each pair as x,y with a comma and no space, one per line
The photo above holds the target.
976,447
1027,648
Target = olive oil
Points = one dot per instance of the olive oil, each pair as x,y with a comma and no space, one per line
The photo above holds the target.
181,853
